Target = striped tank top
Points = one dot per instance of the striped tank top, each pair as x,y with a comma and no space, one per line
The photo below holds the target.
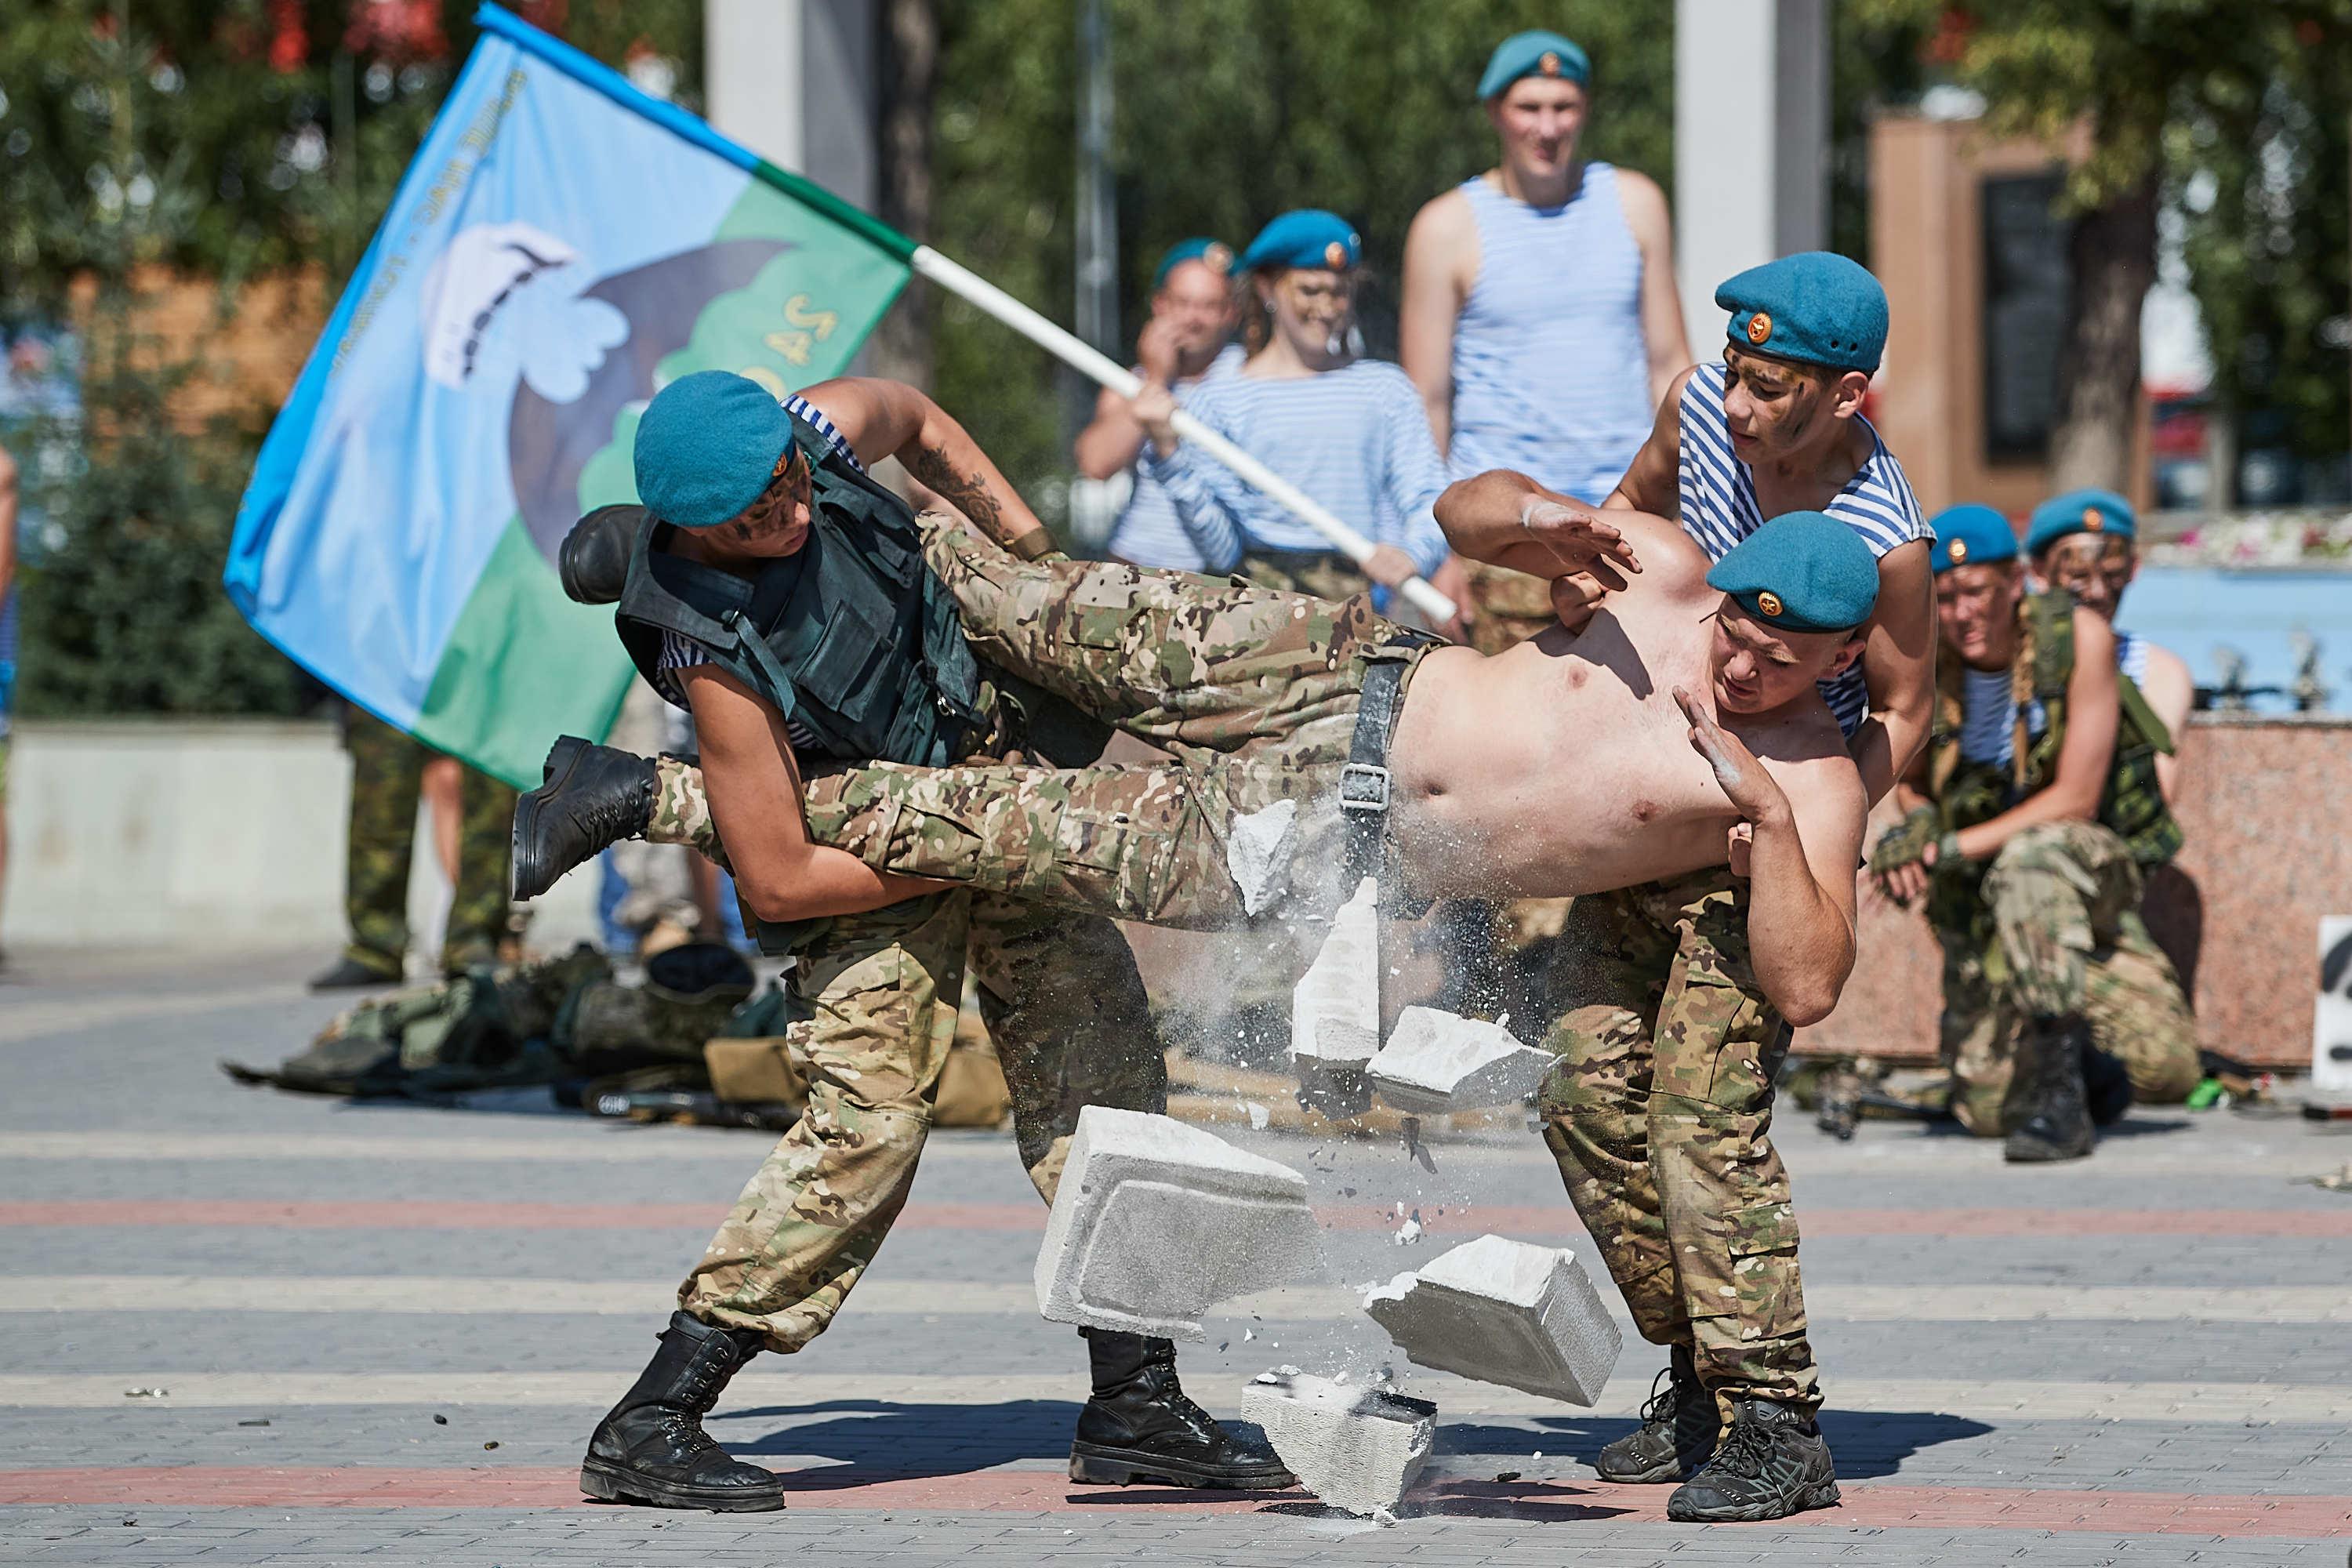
1551,374
1149,532
1719,507
1989,717
2131,656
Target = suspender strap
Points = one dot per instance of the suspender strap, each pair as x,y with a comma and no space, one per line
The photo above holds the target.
1364,780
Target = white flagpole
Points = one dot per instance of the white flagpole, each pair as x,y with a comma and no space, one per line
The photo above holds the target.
1081,357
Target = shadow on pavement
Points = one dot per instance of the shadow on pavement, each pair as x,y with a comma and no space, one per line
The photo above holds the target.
914,1439
1867,1444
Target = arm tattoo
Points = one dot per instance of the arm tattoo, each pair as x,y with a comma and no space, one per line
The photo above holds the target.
969,492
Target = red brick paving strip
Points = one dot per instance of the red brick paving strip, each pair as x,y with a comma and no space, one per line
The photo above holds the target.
1865,1506
1520,1219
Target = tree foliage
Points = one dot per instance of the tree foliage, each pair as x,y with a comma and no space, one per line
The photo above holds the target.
218,137
1229,112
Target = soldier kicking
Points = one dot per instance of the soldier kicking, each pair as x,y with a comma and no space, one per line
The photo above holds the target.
1559,767
770,510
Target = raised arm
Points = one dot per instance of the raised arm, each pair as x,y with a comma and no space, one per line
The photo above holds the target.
1800,866
1210,500
1653,482
1440,257
1663,334
1111,438
1898,665
890,419
1506,519
2085,757
754,783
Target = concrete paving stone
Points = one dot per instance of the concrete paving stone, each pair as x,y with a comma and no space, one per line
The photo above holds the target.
1502,1312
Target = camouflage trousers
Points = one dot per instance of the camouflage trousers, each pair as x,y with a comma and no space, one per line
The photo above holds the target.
1320,574
387,771
1066,1008
2068,938
1254,692
1659,1116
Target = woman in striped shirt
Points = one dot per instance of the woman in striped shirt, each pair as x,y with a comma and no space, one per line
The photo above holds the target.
1349,432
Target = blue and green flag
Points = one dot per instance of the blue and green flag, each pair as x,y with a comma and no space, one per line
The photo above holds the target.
562,246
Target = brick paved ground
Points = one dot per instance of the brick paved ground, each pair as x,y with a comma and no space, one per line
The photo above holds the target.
2142,1359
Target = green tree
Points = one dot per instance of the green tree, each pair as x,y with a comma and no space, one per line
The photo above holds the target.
2157,84
220,139
1229,112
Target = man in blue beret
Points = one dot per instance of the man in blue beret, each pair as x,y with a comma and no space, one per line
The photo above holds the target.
1188,339
2087,542
2028,830
1287,734
768,585
1775,427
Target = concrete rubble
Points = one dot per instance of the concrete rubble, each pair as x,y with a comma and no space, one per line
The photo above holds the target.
1335,1010
1437,1061
1157,1221
1257,853
1506,1312
1355,1448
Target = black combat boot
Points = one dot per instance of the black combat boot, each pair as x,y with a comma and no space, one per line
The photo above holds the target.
1677,1435
1772,1464
2053,1118
1139,1426
2106,1086
593,796
651,1447
349,973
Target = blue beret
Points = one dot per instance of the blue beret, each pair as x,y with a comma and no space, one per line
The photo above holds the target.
707,446
1971,535
1537,53
1815,306
1305,237
1802,571
1216,254
2079,512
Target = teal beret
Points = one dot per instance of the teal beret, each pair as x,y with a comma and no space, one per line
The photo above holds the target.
707,446
1971,535
1802,571
1537,53
1815,306
2079,512
1307,237
1216,254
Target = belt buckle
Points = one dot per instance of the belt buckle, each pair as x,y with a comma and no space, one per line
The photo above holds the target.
1363,786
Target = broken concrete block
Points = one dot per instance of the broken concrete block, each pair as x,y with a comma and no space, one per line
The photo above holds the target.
1355,1448
1155,1221
1503,1311
1335,1011
1437,1061
1257,853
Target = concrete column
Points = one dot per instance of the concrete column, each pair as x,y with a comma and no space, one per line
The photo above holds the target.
798,81
1751,143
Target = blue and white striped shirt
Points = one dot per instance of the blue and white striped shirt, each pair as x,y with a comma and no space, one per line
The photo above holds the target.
1989,716
1355,438
2131,656
1149,532
1552,373
1719,507
680,652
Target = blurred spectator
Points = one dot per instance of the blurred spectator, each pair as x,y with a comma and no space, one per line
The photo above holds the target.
1347,431
472,816
1189,339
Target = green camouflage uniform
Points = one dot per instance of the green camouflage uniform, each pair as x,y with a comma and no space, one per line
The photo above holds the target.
1318,573
387,771
2064,898
2050,925
1254,692
1659,1119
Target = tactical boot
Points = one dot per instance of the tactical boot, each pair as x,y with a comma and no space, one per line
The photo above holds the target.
2107,1087
593,796
2054,1119
1677,1435
1139,1426
349,973
651,1447
1772,1464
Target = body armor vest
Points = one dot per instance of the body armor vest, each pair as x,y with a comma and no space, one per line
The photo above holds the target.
851,637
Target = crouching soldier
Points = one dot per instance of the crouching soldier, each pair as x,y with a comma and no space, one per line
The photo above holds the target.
2027,834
